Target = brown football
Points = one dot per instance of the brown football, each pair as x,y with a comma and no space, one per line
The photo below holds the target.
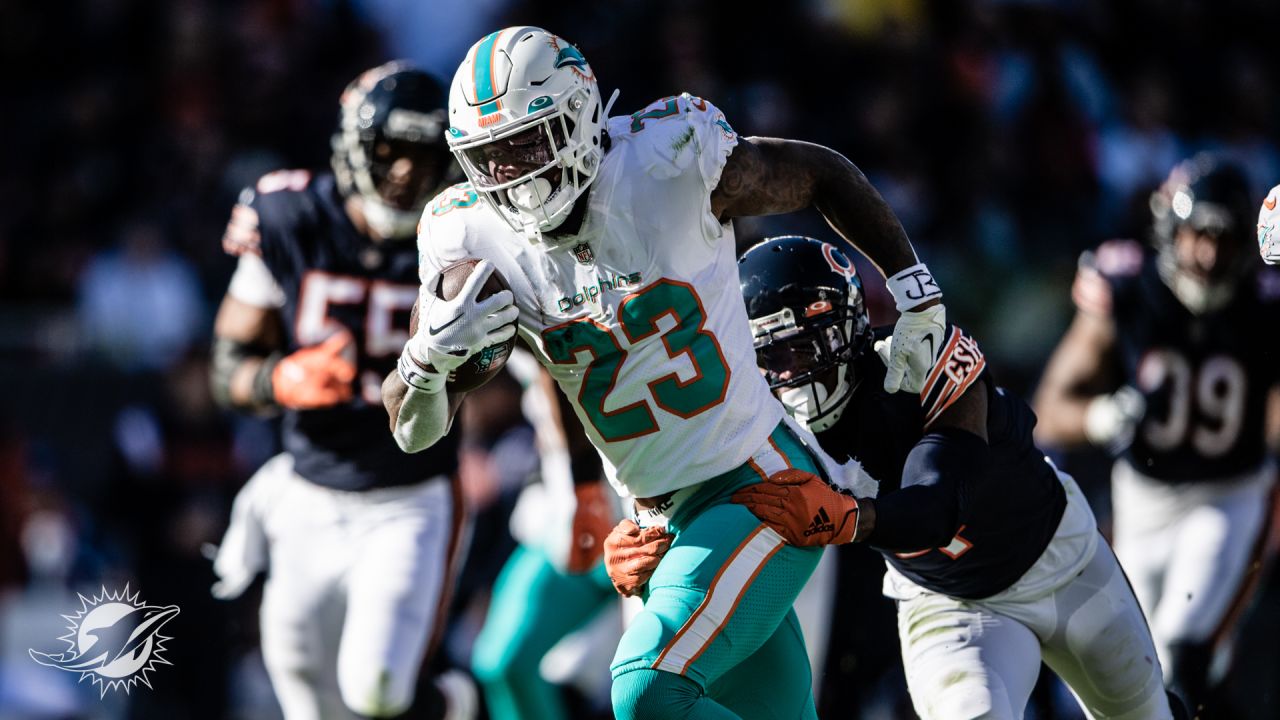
481,367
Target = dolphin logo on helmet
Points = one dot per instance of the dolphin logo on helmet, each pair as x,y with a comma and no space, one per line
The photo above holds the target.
569,55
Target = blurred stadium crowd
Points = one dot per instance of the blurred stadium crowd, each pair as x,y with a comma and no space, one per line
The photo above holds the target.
1008,135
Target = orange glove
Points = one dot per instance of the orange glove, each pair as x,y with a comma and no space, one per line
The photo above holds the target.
316,376
591,521
631,555
802,508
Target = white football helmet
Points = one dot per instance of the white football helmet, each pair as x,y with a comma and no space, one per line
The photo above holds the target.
524,104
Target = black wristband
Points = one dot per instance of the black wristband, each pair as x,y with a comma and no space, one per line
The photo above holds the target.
228,358
263,393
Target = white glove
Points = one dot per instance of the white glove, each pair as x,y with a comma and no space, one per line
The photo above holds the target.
450,331
916,342
1110,420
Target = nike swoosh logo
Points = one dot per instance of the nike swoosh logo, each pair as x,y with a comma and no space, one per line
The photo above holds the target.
1269,203
435,330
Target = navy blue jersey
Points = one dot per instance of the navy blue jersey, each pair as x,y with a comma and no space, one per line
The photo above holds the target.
1205,377
1006,518
335,278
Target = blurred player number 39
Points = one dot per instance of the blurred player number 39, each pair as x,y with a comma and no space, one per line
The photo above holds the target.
114,641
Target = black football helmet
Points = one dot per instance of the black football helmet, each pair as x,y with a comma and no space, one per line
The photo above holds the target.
1211,197
390,114
809,322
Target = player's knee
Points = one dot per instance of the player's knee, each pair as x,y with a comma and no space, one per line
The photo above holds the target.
451,695
495,664
490,667
375,692
647,694
964,695
969,706
292,662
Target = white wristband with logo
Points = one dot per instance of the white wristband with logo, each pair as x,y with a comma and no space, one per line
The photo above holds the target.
418,377
912,287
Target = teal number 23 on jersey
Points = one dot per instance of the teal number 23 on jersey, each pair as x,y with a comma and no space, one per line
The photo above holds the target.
638,316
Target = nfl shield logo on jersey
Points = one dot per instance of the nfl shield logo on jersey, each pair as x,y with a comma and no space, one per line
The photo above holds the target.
583,252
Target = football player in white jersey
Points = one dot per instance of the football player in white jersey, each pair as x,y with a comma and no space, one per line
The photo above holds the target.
615,238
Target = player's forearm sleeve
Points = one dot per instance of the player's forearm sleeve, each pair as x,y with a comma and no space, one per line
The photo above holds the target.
926,512
227,357
423,419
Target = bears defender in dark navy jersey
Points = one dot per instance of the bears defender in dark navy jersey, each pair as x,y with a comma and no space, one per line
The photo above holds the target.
1171,364
1006,512
1203,376
996,562
335,279
318,309
981,526
357,538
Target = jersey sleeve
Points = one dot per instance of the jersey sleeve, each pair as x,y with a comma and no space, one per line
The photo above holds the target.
1098,273
442,229
682,135
253,284
265,214
429,264
958,368
243,235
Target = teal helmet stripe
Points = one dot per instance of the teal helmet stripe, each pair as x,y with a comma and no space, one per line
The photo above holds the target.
483,75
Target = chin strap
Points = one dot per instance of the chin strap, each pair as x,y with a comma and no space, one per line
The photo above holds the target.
604,114
813,406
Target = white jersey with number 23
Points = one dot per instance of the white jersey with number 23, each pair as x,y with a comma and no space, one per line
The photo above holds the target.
638,317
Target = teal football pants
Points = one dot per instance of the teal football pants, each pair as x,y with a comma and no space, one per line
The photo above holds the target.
717,637
532,608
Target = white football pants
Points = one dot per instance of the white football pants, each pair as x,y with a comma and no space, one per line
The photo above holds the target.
967,659
357,589
1187,550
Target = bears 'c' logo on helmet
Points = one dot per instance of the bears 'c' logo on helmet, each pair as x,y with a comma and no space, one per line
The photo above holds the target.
837,259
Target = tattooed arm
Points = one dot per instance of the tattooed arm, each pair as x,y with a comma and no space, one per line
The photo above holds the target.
767,176
764,176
